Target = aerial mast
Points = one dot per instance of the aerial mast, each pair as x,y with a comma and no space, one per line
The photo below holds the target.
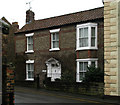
29,13
29,3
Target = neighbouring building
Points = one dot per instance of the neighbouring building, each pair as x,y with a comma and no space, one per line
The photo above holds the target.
112,47
8,45
48,47
7,60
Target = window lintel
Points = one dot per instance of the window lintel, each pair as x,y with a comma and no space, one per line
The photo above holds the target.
30,61
30,34
54,30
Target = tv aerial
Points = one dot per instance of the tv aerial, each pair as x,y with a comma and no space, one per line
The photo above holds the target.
29,3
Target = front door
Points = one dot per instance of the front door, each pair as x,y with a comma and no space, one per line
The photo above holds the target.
55,72
53,69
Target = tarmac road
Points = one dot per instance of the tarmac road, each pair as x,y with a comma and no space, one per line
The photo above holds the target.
31,96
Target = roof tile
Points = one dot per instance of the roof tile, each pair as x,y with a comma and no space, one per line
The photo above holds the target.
83,16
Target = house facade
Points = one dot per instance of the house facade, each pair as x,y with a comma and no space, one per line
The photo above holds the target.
49,47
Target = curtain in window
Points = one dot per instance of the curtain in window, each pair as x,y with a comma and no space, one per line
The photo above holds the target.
30,43
83,37
30,71
55,40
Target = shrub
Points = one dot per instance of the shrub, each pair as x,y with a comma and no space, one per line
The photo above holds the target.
94,75
67,76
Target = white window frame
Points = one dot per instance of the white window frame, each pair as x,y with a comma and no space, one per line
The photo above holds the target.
27,36
89,60
52,32
29,62
87,25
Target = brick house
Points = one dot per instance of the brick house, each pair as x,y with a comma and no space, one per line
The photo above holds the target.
48,47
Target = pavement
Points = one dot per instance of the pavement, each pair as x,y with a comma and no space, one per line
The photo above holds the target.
0,92
0,97
71,96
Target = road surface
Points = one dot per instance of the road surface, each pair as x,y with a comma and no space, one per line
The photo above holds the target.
24,96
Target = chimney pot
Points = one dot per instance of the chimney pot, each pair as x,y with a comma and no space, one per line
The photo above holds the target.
14,23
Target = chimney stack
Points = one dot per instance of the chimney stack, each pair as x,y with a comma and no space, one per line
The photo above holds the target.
15,26
29,16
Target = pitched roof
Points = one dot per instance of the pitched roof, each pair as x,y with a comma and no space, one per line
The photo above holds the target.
5,21
83,16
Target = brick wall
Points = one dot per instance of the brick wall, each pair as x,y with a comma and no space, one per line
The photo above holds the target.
67,54
7,85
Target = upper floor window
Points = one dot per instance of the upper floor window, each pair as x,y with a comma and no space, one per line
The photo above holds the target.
86,36
29,42
54,39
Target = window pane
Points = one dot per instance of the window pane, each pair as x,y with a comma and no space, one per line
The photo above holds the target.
93,63
85,42
31,40
30,43
53,37
57,44
53,44
30,46
30,71
81,66
57,37
28,66
32,66
55,40
28,40
83,38
93,41
30,74
85,66
85,32
80,42
81,76
93,31
81,32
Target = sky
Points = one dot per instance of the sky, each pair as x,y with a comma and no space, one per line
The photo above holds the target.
15,10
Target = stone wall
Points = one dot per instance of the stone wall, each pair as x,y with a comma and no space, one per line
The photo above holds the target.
111,48
94,89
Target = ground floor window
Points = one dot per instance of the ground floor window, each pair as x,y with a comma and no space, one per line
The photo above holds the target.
82,65
30,70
